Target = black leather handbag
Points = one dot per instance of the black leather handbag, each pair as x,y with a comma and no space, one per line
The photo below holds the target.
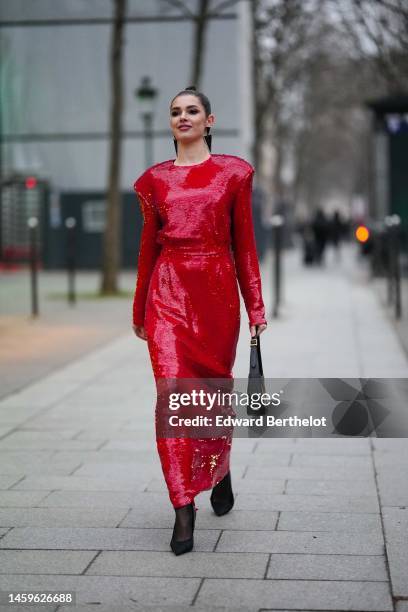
256,380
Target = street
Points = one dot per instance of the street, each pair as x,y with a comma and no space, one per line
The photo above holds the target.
318,524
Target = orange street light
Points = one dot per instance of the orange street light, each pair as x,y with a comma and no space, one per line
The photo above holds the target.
362,233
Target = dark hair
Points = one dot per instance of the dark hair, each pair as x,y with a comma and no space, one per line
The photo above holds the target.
206,104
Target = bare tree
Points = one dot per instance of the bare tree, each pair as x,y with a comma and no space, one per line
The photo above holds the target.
331,147
379,30
283,48
207,9
260,103
315,63
111,237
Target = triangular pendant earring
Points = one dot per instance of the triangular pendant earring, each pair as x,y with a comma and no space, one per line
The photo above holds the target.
175,144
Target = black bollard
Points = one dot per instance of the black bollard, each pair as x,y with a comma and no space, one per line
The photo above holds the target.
396,226
70,224
389,257
32,230
393,225
277,227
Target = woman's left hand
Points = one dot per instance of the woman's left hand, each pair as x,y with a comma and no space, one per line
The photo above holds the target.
256,330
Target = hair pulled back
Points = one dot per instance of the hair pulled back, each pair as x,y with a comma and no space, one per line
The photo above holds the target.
192,90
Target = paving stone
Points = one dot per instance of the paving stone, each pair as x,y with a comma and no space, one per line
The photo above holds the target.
297,594
31,608
329,521
393,488
120,470
275,458
107,457
384,460
244,485
109,590
396,539
23,458
6,481
44,561
102,499
264,443
307,503
92,425
244,445
101,539
161,517
299,542
134,482
128,445
239,485
25,432
5,427
337,446
97,433
14,415
38,468
62,517
96,395
159,608
396,445
24,440
312,473
38,395
21,499
196,565
331,460
329,487
327,567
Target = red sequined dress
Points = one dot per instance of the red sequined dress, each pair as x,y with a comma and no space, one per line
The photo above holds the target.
197,241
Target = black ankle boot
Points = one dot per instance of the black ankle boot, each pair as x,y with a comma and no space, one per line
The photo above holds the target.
179,547
222,497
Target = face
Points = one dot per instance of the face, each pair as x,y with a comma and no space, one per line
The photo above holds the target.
188,121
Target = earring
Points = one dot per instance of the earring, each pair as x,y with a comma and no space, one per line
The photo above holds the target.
208,139
175,144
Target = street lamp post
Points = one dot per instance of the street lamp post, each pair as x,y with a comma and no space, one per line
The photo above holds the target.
146,95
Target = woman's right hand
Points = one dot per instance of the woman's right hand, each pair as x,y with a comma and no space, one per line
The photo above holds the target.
140,331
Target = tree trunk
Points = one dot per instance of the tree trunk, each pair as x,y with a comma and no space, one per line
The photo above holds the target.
111,238
256,93
200,27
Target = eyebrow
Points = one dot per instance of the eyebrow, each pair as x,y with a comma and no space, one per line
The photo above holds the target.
189,106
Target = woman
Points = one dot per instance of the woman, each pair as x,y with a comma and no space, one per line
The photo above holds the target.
197,238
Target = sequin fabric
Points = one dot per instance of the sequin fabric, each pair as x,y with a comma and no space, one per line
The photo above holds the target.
197,242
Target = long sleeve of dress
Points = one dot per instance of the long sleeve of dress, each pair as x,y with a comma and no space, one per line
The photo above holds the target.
245,253
149,248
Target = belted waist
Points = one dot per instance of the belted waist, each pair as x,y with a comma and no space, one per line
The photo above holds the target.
188,250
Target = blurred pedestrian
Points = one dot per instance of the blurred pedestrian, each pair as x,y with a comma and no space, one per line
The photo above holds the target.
309,248
321,230
336,231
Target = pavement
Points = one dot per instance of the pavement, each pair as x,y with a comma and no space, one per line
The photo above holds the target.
32,347
318,524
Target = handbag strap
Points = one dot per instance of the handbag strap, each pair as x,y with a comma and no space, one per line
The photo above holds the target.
255,359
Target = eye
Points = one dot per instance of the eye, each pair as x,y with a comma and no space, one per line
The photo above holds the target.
192,111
